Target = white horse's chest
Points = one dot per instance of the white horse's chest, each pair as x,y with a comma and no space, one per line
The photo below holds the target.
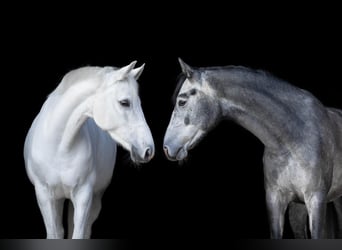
63,170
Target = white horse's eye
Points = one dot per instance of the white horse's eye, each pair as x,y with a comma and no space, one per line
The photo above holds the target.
181,103
125,103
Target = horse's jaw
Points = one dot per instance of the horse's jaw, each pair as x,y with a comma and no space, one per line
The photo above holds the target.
180,152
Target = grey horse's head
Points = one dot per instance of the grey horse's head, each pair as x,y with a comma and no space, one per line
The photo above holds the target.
196,111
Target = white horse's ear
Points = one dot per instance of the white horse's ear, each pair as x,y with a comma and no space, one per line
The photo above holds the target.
186,69
137,71
126,69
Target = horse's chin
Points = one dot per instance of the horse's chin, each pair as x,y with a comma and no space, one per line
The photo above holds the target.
181,154
136,158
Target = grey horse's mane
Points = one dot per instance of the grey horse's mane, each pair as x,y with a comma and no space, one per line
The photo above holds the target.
258,75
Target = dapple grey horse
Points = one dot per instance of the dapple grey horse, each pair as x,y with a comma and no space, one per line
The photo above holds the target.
302,138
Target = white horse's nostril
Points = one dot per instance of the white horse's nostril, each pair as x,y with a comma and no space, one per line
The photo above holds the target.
166,150
148,154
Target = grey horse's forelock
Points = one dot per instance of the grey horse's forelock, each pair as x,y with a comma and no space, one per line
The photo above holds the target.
180,80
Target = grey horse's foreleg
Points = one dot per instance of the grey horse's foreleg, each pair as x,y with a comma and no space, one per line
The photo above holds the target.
316,206
276,204
338,211
298,217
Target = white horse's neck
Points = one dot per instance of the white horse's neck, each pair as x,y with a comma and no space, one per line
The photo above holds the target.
71,110
74,123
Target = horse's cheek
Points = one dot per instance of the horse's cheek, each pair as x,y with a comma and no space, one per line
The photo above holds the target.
100,114
206,114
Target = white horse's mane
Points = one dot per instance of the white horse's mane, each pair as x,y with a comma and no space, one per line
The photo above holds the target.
81,74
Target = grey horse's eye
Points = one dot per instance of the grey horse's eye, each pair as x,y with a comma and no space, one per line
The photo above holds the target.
181,103
125,103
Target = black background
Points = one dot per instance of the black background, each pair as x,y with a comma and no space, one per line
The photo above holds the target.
219,190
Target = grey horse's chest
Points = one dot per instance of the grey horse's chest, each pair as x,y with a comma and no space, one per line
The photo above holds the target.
288,173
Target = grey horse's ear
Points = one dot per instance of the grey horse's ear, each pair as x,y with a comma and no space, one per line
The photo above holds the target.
186,69
126,69
137,71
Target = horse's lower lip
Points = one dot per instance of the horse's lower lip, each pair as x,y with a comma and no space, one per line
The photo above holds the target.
176,157
171,158
168,156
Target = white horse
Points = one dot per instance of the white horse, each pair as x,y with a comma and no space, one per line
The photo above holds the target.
70,149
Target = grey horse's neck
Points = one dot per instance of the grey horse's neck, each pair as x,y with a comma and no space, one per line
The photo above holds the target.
273,110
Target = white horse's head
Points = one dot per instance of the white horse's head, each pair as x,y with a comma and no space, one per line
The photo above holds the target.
118,111
196,111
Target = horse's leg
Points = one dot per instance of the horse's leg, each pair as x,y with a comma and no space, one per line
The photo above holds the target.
298,220
330,222
276,203
338,210
298,216
316,206
52,212
82,201
95,211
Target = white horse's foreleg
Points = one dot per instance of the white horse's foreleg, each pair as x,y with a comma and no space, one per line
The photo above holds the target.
276,206
94,213
52,212
95,210
82,201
